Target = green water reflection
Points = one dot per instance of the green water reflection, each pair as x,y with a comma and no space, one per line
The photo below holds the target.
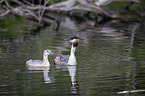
110,59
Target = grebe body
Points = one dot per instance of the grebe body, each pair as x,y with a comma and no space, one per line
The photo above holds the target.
40,63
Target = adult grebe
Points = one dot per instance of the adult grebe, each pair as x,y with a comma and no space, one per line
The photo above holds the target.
40,63
66,59
74,43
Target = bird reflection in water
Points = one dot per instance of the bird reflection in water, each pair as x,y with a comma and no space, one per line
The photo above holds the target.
75,85
45,71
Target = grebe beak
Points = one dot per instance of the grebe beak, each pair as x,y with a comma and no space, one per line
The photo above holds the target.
67,39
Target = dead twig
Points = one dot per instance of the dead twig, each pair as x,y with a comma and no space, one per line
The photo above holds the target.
2,1
6,2
5,13
40,18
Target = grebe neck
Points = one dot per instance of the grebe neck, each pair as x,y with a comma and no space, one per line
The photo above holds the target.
45,59
73,49
72,58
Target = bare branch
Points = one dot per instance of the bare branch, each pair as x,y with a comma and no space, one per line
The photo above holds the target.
2,1
28,3
5,13
40,18
8,4
67,4
18,2
37,7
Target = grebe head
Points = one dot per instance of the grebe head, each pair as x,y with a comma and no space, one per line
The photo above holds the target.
47,52
74,41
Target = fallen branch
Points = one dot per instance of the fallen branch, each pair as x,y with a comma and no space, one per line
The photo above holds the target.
26,8
5,13
2,1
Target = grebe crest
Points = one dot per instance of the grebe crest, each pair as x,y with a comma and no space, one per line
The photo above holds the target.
74,41
40,63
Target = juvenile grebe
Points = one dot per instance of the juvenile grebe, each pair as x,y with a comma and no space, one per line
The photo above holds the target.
40,63
66,59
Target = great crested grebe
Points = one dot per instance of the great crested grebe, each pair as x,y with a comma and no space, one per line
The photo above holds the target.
66,59
40,63
74,43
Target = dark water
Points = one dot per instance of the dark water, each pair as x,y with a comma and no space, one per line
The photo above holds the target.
110,59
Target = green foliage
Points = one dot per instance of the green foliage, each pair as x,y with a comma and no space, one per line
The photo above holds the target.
135,6
142,1
120,5
114,5
54,1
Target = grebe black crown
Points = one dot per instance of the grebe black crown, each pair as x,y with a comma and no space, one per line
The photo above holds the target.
74,41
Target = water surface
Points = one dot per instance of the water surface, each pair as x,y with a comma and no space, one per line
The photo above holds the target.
110,59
